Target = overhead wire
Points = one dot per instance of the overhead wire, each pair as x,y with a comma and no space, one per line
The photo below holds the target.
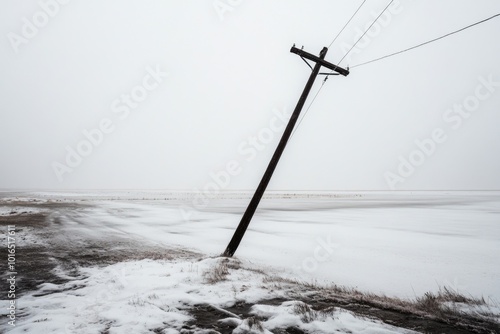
354,45
360,38
324,81
391,54
305,112
427,42
347,23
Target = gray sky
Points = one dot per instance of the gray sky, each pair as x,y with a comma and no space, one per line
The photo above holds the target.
85,65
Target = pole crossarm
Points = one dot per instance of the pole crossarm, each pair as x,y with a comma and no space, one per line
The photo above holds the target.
318,60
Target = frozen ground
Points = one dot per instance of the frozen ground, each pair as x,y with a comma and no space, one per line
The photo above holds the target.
157,296
397,244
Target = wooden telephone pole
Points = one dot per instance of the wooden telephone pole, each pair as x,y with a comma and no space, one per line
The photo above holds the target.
247,216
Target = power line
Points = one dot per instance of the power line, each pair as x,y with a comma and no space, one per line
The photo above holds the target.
354,45
428,42
320,88
309,107
395,53
357,10
324,81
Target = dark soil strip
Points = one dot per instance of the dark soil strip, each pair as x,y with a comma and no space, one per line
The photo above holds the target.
208,318
407,320
35,263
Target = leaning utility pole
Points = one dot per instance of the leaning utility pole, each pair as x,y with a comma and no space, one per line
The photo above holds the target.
247,216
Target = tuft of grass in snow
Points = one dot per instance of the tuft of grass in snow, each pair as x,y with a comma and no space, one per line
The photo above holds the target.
254,323
220,270
428,303
446,294
250,326
153,296
137,301
307,314
443,301
217,273
448,302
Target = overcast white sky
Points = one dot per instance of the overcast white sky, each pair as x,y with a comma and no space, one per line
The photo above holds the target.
228,73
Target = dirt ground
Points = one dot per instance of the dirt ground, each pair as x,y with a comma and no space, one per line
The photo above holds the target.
37,263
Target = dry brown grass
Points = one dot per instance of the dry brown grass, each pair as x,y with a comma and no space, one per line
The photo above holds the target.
307,314
254,323
444,305
217,273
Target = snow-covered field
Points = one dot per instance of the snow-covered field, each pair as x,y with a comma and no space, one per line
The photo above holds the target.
143,296
397,243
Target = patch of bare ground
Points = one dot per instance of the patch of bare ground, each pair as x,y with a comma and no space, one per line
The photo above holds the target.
431,313
50,254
